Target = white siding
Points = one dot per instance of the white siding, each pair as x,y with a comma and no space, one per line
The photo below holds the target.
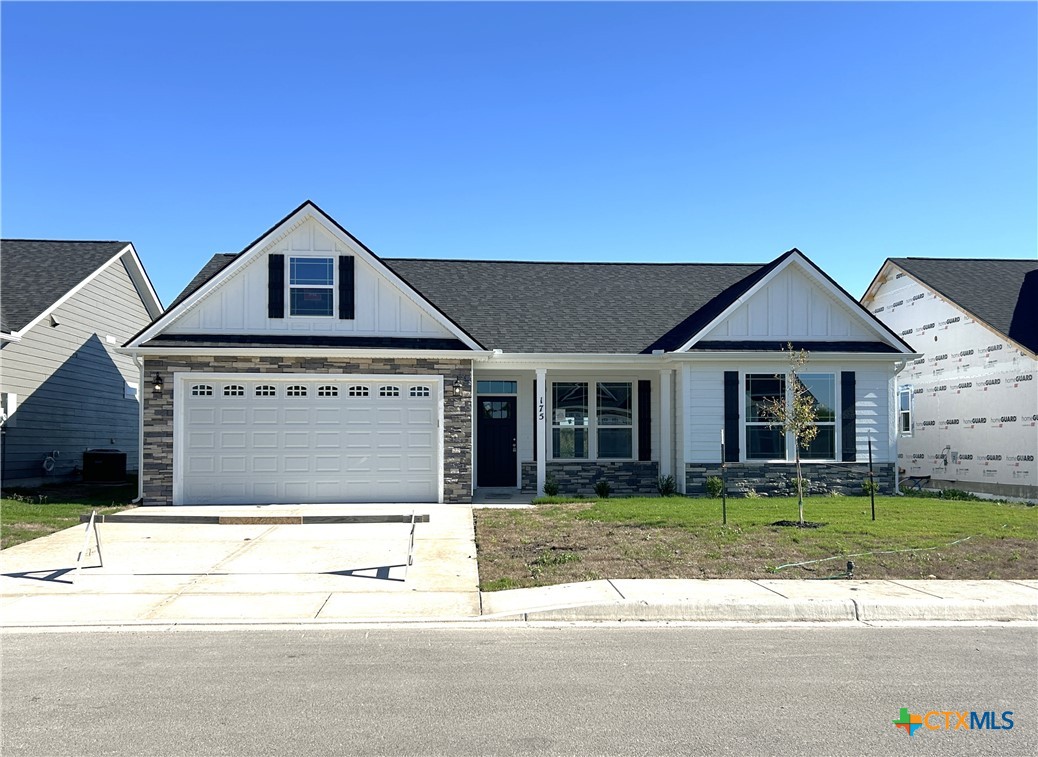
792,306
705,404
239,305
873,390
974,396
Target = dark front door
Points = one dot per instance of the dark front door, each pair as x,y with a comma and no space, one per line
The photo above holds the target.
495,441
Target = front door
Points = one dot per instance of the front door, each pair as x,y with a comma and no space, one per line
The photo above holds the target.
495,441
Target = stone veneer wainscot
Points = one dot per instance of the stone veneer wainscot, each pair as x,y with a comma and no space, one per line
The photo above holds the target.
779,479
578,478
157,473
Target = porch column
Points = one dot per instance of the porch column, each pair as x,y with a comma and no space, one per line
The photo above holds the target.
541,430
666,423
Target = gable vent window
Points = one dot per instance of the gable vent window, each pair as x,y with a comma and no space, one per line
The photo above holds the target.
234,390
266,390
419,391
201,390
358,391
311,286
328,391
389,391
296,390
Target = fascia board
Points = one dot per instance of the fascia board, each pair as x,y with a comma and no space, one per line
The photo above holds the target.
142,281
322,352
807,268
70,293
5,337
842,357
875,284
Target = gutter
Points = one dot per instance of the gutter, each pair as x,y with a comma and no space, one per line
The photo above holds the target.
301,352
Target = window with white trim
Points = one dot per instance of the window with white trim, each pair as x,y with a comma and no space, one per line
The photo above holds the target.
569,420
904,410
201,390
389,391
764,441
615,415
311,286
234,390
358,391
419,391
266,390
296,390
328,390
822,389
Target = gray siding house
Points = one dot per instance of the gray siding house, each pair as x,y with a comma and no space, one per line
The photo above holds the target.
308,369
65,307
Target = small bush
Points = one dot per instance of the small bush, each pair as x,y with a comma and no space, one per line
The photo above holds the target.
752,494
714,486
551,486
869,487
603,488
667,486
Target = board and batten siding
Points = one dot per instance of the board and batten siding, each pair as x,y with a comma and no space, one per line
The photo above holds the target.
239,305
703,400
791,306
70,385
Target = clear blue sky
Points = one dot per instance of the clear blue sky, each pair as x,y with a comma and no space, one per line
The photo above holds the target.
637,132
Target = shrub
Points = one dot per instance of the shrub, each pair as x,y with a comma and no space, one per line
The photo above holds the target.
603,488
551,486
667,486
869,487
714,486
752,494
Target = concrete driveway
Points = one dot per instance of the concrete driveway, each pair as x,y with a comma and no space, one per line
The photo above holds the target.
265,570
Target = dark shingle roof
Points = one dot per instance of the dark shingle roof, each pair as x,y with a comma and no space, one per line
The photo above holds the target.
36,273
578,307
216,264
1002,293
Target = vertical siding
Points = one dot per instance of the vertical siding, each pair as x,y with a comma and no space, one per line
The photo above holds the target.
71,384
705,413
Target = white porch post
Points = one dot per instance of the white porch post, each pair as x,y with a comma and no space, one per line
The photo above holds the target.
666,423
541,430
682,412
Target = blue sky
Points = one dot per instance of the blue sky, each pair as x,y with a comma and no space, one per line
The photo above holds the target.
635,132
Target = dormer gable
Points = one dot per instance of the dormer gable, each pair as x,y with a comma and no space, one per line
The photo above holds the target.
306,279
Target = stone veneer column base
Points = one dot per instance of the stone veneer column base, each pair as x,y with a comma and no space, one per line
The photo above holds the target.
779,479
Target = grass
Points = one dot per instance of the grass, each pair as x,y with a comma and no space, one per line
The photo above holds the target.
27,514
679,537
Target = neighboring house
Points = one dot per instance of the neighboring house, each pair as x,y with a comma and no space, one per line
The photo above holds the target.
308,369
969,405
65,309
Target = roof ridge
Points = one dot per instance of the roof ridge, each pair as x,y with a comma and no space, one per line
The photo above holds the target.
972,260
569,262
66,241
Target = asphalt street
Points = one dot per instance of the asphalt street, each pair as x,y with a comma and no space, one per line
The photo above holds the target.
624,690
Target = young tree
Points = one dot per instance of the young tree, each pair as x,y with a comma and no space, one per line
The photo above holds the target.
798,416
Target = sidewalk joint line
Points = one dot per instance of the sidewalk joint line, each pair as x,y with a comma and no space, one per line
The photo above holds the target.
912,588
610,582
773,591
323,604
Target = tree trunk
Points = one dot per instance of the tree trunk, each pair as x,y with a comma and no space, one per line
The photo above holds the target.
800,487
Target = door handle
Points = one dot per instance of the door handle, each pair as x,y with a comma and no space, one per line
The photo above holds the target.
513,445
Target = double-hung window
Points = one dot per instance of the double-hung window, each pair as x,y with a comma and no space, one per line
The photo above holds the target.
821,388
592,419
311,286
904,410
764,441
569,423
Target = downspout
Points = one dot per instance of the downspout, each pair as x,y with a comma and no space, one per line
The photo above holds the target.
140,430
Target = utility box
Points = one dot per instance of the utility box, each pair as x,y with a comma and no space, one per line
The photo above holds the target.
104,466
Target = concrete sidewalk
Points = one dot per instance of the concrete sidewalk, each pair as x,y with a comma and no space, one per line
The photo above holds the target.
319,565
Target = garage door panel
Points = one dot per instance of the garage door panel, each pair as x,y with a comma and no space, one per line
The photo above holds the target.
246,445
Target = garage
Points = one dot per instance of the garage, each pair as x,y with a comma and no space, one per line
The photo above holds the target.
303,438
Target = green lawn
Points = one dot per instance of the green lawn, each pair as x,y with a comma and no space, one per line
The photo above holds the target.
680,537
27,514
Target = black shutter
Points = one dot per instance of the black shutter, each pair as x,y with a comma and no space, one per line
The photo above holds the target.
849,446
275,286
644,420
346,298
731,416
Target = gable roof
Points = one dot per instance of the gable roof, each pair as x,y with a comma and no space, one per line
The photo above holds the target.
1001,293
36,273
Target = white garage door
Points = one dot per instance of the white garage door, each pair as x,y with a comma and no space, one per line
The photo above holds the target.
271,439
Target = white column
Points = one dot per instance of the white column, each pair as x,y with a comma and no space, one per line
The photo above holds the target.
541,429
666,423
681,412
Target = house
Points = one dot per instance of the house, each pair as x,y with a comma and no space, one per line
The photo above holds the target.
308,369
65,308
968,406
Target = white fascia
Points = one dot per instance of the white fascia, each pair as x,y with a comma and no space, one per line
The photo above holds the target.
720,356
4,337
801,263
497,360
140,280
232,352
306,212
